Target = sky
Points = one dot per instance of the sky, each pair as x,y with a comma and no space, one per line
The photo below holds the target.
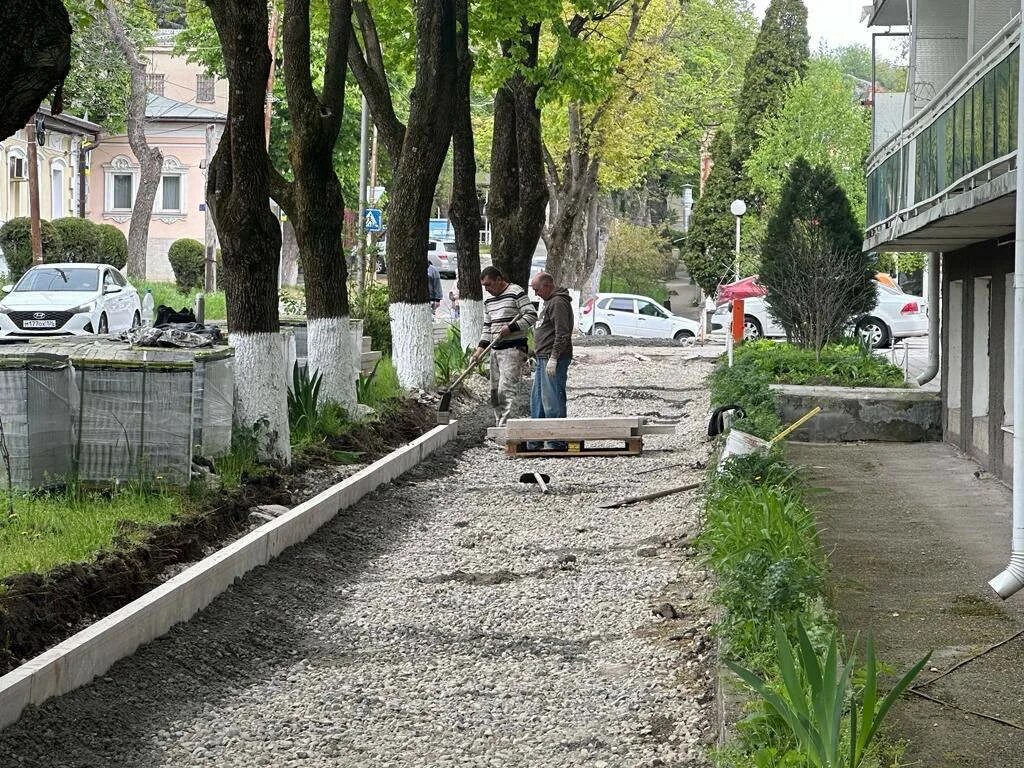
836,22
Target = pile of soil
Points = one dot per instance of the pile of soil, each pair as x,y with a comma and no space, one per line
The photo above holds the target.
39,610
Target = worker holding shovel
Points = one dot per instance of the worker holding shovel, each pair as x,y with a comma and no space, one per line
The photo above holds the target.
508,315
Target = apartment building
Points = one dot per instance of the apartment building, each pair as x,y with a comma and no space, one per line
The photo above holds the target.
942,179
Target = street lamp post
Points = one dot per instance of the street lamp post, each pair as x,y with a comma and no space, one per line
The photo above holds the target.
738,208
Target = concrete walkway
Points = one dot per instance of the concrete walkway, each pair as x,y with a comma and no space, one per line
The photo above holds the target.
913,535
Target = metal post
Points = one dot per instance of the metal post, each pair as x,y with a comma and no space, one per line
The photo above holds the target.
737,247
364,134
33,192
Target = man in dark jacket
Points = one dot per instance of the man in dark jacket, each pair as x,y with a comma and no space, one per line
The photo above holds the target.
552,338
433,286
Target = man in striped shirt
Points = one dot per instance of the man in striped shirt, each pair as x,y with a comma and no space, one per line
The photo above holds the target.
507,301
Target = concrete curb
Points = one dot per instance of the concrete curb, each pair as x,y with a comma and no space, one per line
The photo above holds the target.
91,652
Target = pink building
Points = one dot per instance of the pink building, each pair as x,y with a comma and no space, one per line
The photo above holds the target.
184,119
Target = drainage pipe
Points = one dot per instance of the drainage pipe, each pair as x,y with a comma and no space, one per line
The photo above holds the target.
1011,579
934,316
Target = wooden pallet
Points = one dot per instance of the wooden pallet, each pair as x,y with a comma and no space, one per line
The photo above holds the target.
633,447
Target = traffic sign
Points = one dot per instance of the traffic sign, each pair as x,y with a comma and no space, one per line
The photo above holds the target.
372,220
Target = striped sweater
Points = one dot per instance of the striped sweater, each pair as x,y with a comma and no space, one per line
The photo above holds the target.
500,310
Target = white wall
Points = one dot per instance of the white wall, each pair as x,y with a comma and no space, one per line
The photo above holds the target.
954,375
980,363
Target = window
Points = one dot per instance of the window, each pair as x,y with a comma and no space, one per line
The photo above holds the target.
57,190
1003,108
621,305
118,278
432,245
649,309
108,281
205,88
155,83
53,279
170,194
988,85
123,192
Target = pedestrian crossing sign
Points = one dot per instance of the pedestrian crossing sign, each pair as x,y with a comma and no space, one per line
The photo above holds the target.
372,220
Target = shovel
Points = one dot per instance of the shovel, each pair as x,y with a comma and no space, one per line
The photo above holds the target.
446,397
539,478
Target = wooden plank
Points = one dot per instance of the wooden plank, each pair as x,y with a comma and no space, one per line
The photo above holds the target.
633,447
596,421
541,430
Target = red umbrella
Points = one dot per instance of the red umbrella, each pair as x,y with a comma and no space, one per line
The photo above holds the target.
746,288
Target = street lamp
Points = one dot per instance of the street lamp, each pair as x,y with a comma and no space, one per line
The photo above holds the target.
738,208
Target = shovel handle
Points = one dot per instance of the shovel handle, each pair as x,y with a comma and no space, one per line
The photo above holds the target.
487,349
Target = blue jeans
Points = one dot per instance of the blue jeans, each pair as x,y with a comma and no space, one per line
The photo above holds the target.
547,397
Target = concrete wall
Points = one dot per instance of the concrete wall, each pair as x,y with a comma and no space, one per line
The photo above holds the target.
871,414
976,350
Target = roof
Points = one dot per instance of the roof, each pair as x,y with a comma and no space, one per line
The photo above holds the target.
886,13
66,123
163,108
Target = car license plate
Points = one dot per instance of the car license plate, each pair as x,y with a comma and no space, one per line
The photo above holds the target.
39,324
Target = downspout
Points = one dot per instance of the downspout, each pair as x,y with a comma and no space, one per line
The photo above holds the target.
934,317
1012,578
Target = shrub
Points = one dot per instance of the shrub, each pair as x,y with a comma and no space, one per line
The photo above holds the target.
81,240
187,261
114,246
372,307
16,243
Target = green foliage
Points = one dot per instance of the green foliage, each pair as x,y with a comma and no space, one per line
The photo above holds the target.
711,242
814,227
779,60
855,60
303,403
242,460
747,385
449,358
822,122
842,364
637,259
813,701
99,82
114,245
81,240
188,261
16,243
893,262
380,390
371,306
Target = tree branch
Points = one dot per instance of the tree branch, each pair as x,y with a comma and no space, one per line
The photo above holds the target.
378,96
335,68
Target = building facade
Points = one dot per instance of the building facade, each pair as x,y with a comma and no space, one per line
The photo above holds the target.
59,165
185,115
942,179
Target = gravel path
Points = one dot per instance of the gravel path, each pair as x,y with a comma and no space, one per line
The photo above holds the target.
454,618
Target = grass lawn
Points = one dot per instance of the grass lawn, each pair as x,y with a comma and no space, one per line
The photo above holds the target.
72,526
168,294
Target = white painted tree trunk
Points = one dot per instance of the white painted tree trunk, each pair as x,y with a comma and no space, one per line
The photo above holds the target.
261,392
471,322
330,353
412,344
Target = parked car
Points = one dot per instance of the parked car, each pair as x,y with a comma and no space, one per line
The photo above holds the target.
896,315
69,300
443,256
626,314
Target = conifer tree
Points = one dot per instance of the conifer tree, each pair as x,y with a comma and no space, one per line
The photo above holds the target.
778,61
710,243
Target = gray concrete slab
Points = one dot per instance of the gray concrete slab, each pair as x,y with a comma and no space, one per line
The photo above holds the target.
914,532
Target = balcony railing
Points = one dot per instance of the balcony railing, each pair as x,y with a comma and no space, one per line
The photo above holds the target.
966,135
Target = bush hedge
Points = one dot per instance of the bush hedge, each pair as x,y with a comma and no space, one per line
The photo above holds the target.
81,240
187,261
115,245
16,243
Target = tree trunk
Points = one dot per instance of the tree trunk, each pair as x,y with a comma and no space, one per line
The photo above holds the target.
238,193
151,159
519,193
289,254
567,255
427,137
314,200
465,208
35,57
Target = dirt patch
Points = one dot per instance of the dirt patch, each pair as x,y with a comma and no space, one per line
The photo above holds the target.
39,610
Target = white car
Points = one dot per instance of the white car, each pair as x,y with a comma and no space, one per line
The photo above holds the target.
69,300
626,314
897,315
443,256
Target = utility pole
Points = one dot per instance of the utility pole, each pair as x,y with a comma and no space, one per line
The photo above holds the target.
364,133
33,192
